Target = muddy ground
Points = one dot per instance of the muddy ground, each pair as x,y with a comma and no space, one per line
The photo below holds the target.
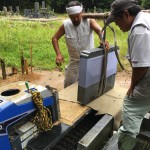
54,78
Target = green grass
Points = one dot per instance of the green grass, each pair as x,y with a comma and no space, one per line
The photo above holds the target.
17,36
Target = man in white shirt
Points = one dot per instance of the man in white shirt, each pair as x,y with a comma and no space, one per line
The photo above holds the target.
78,35
127,16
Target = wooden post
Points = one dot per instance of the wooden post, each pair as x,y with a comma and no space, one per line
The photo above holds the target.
31,57
102,15
22,62
26,65
3,69
14,70
95,15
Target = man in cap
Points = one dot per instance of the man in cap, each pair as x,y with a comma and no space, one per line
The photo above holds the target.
78,35
127,16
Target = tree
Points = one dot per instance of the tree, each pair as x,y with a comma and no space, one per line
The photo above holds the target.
103,4
59,5
146,4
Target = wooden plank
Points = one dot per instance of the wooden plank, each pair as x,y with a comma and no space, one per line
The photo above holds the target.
70,112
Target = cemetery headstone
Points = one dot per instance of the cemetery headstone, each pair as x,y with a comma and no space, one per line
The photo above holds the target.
5,10
27,12
94,9
10,10
43,4
37,6
17,10
36,13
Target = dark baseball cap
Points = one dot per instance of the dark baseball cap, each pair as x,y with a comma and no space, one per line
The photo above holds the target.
118,6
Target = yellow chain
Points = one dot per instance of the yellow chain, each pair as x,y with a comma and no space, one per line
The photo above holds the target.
43,117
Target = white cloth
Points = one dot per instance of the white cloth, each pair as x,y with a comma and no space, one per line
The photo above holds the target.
78,38
139,41
74,10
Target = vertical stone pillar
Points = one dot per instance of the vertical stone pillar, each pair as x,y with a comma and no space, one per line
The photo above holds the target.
37,6
10,9
17,10
49,8
5,10
43,4
94,9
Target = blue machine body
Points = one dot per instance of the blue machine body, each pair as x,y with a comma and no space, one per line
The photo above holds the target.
11,112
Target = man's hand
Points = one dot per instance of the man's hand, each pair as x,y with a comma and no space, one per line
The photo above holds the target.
130,91
137,74
59,60
106,45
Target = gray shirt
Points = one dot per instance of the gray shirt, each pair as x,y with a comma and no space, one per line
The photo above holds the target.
78,38
139,51
139,41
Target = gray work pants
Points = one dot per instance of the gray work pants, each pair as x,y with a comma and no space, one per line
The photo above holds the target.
133,111
71,74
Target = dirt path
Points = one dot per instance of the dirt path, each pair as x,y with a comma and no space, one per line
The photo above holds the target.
55,78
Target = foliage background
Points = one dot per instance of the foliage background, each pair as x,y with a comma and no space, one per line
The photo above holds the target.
59,5
18,36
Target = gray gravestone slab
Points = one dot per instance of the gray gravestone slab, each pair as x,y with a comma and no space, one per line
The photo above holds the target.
27,12
37,6
5,10
94,9
10,9
49,8
17,10
43,4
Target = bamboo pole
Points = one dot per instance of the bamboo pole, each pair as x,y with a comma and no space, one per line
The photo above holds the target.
3,69
31,57
26,65
102,15
96,15
22,62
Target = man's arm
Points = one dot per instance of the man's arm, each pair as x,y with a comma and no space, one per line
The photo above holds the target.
55,38
137,74
98,30
94,25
